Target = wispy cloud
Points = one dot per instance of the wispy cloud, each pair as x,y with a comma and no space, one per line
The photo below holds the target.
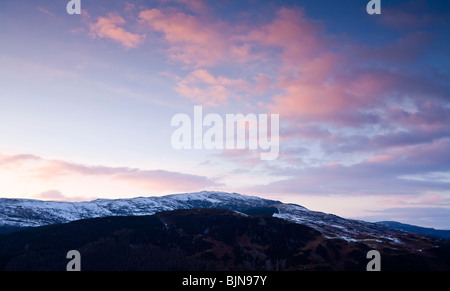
45,11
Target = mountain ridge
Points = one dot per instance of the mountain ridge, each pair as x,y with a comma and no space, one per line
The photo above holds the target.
336,239
30,212
438,233
19,213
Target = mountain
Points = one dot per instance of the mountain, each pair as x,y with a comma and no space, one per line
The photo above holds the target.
438,233
206,239
30,213
203,231
20,213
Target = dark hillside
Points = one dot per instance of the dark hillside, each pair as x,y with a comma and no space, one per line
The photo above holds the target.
204,239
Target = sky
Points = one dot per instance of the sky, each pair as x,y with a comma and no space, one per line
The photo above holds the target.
86,101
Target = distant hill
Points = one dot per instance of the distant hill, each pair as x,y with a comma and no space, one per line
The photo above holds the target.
416,229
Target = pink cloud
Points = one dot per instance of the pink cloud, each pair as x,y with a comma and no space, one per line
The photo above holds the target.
434,199
110,27
13,162
310,75
202,87
291,31
318,82
192,41
321,91
321,88
55,195
15,159
329,102
150,180
200,43
196,41
154,180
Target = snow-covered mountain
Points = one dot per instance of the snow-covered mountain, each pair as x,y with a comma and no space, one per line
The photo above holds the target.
30,213
330,241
